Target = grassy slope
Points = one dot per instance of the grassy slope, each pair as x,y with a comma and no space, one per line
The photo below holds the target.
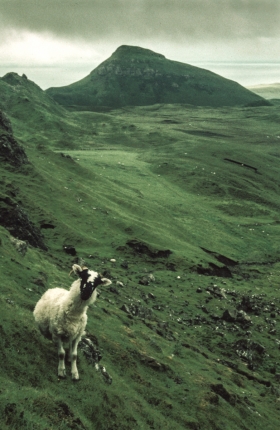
136,76
157,174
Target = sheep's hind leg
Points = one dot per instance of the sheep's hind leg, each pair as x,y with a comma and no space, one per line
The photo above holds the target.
73,350
61,357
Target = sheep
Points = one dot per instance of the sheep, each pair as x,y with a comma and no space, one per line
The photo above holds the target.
61,315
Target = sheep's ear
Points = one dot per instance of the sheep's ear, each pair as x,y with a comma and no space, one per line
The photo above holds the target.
105,281
76,269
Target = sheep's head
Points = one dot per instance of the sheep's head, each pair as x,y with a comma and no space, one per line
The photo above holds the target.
90,280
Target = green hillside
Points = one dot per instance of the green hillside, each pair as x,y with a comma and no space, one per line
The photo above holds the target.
179,207
134,76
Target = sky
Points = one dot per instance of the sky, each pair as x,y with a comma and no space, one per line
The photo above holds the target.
58,42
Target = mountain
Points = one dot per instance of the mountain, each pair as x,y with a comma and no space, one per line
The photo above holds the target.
137,77
19,94
37,116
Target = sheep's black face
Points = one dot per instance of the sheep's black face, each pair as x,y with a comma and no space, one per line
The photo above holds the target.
89,282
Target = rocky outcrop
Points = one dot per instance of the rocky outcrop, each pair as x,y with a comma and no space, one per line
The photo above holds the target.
10,150
12,214
145,249
14,218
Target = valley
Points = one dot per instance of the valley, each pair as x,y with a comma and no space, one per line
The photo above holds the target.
179,206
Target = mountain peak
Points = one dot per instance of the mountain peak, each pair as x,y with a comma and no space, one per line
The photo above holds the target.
14,79
131,51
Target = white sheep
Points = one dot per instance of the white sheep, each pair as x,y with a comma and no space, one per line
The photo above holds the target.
61,315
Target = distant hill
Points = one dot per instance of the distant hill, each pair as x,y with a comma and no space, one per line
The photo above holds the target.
30,108
267,91
20,96
135,76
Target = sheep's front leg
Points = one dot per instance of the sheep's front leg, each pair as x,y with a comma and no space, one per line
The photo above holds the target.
73,352
69,355
61,357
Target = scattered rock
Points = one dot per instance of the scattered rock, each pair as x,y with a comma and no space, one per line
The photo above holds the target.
126,309
124,265
70,249
90,350
155,346
145,297
144,281
243,317
114,290
217,291
250,351
236,316
164,331
66,156
250,304
20,245
137,311
11,302
230,315
41,281
171,267
47,226
153,363
222,392
105,374
89,347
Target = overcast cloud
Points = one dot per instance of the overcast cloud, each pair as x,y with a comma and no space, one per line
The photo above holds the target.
173,19
79,34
